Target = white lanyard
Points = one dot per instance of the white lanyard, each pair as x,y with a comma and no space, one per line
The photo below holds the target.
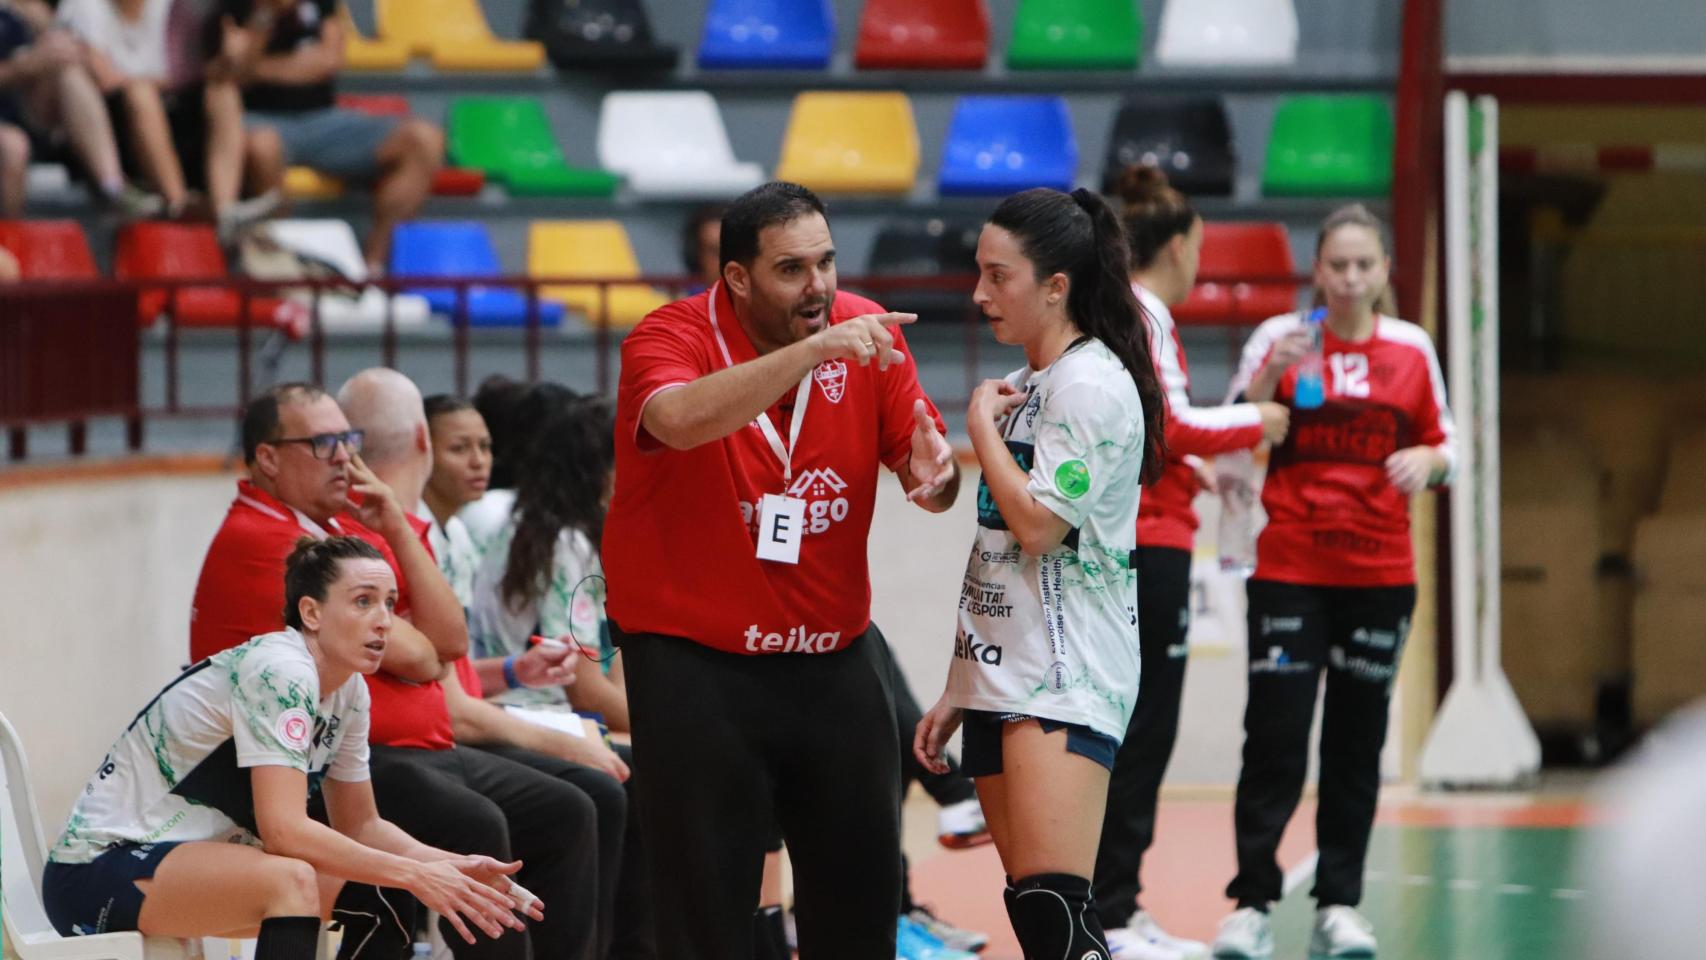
783,454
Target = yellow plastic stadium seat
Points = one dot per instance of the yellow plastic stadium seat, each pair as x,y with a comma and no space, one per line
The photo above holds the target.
851,143
454,33
305,183
595,249
360,53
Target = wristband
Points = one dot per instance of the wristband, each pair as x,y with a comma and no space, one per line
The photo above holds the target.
509,672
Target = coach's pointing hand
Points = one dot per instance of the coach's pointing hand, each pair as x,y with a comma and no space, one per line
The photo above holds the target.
862,339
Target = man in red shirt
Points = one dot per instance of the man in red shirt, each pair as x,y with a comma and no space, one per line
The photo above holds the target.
751,421
305,479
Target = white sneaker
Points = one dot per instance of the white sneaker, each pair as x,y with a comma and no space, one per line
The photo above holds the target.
1341,932
1125,943
1245,933
1142,929
961,825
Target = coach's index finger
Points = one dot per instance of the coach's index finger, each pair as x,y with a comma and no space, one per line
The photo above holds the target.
894,319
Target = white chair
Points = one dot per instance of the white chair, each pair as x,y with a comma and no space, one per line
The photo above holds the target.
1228,33
671,144
22,856
333,242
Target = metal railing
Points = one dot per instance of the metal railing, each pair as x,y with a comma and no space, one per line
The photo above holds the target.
71,351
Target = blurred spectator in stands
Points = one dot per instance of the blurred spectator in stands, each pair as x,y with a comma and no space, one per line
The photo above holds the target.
701,233
47,95
288,65
168,104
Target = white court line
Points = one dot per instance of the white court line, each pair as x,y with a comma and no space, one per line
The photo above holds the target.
1464,883
1301,874
1513,888
1566,893
1419,880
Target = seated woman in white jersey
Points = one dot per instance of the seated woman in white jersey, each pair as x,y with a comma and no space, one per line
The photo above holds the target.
1046,657
196,822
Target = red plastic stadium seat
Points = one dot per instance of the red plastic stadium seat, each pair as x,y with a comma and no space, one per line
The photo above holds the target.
49,249
184,251
923,35
1241,249
376,104
458,182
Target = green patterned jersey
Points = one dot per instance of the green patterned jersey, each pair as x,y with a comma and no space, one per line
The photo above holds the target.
1055,635
571,605
180,771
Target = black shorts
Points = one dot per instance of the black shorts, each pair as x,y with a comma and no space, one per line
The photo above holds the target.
980,745
100,896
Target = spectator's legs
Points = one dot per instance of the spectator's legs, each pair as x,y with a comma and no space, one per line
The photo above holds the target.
14,169
408,159
224,105
69,100
151,137
263,161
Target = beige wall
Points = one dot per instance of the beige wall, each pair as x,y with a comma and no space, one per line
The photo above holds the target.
95,585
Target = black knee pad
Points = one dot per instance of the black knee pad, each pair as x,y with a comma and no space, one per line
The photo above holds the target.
769,935
1054,918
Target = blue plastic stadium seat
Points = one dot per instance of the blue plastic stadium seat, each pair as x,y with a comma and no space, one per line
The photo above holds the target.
768,35
463,249
997,145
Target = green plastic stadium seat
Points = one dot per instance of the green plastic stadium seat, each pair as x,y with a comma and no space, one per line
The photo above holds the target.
1075,35
1324,146
510,140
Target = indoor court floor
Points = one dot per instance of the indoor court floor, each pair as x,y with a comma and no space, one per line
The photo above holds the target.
1449,876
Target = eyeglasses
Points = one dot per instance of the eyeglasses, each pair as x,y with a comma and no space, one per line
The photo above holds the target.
325,445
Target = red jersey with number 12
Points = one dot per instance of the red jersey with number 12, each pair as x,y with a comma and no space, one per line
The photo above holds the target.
1334,519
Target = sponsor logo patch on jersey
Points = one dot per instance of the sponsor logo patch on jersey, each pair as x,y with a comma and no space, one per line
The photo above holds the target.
294,728
1072,479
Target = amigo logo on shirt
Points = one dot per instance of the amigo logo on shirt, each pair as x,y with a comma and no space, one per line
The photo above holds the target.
825,506
797,640
294,728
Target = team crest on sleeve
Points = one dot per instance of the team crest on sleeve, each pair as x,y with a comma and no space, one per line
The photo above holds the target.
294,728
831,377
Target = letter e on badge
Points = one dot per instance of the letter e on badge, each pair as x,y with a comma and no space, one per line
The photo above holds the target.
781,526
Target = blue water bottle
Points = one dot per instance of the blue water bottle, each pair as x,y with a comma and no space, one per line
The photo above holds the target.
1311,392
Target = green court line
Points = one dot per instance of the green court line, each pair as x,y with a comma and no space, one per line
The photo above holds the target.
1470,893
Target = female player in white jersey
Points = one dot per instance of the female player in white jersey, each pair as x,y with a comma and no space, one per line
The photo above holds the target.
196,823
1166,237
1335,579
1045,669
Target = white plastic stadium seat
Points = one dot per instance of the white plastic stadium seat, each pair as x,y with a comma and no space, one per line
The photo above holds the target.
1228,33
671,144
22,856
333,242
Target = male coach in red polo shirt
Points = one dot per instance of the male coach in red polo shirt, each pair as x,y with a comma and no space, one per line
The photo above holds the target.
751,421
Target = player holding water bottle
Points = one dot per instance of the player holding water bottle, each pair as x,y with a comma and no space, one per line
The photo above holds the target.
1334,584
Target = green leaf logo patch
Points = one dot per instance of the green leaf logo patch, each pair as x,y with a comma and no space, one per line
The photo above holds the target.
1072,479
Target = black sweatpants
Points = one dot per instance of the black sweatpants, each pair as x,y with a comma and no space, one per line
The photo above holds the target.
468,800
1128,826
610,802
1357,635
726,747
